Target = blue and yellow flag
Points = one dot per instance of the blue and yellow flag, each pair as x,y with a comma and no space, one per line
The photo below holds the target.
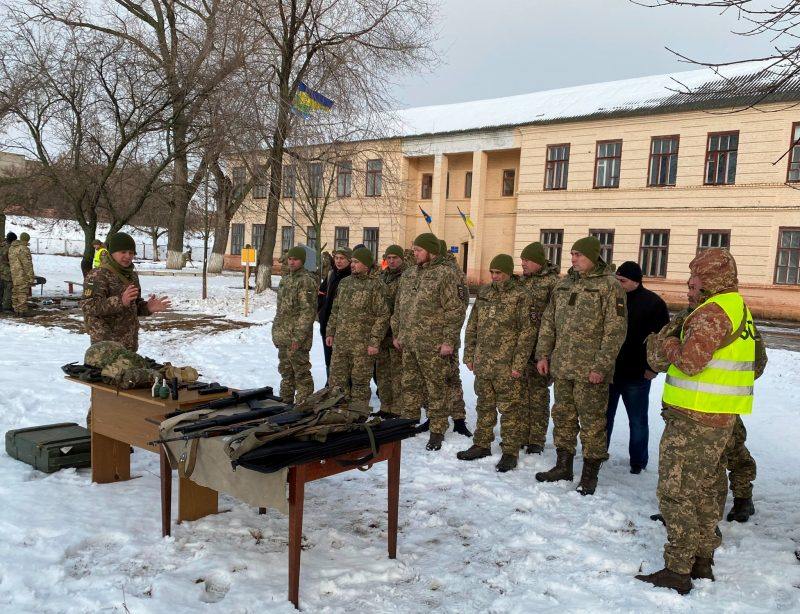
307,100
467,222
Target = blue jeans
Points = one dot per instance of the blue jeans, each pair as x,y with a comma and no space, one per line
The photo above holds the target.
635,394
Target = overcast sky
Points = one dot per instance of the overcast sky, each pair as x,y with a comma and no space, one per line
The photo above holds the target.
493,48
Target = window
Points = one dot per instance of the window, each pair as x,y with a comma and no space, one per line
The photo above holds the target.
315,187
287,238
607,164
237,239
721,158
288,180
787,263
311,237
341,237
257,236
552,241
653,253
468,185
793,174
557,167
509,175
713,238
344,179
427,186
663,161
239,179
606,238
371,241
374,177
261,188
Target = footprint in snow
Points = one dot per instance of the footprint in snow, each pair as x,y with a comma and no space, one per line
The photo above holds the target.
215,586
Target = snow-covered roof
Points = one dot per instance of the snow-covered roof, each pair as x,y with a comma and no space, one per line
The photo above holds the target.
746,83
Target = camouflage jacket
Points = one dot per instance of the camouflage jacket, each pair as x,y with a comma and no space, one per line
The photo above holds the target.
500,333
20,263
360,313
429,310
105,317
296,311
540,286
5,267
584,325
391,283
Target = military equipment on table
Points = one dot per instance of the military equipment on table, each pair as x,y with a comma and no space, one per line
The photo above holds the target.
242,397
51,447
229,420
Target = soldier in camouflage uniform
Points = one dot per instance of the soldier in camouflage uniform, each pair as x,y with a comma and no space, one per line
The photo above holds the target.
293,328
22,277
5,273
582,330
111,303
691,473
389,363
498,343
539,277
358,323
427,324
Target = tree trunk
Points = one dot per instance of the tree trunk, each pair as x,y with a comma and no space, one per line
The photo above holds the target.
89,234
180,200
154,237
221,227
2,225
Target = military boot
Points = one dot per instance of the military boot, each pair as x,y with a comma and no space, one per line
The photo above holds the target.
701,569
534,448
507,463
588,483
435,441
665,578
460,427
562,470
473,453
424,426
742,510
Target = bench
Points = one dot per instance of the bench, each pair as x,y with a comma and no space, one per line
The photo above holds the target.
71,286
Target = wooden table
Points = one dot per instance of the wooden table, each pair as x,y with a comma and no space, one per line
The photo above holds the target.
125,418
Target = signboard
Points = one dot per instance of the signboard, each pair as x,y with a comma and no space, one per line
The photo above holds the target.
248,256
454,249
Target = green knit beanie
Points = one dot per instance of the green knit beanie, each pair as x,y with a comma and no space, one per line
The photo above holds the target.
394,250
297,252
589,247
502,262
364,256
428,242
24,237
344,251
121,242
534,252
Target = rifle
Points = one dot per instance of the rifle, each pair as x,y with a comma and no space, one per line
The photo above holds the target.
245,397
219,421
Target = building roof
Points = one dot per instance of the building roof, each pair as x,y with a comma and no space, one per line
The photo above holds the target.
737,85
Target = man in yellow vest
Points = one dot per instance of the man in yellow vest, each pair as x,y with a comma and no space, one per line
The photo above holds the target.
712,369
99,250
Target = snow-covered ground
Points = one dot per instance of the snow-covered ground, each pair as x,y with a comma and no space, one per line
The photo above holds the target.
470,539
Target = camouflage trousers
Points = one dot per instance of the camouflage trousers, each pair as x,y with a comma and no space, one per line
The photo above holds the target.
19,298
389,376
537,411
691,484
458,409
505,395
5,294
580,409
740,464
351,370
425,384
295,370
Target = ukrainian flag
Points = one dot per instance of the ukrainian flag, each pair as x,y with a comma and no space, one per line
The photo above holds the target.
307,100
467,220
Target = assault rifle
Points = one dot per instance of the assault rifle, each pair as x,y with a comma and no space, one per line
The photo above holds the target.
244,397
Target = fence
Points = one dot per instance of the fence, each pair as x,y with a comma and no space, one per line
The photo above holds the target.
74,247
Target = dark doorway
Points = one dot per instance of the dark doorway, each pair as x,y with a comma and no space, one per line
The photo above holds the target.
464,254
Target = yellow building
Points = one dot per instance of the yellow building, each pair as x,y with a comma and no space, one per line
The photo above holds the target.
656,174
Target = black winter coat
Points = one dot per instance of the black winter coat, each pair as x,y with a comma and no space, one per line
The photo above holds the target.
327,294
647,313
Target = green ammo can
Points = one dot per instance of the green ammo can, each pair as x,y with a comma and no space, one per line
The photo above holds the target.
51,447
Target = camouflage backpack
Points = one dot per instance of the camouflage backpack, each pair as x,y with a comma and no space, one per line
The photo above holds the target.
121,367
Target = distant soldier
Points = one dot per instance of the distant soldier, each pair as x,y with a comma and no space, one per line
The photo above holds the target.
293,328
99,250
327,294
358,323
430,313
22,277
5,273
498,344
112,303
582,330
539,277
389,363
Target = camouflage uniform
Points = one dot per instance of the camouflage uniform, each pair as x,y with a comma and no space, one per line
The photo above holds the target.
359,319
5,277
389,362
22,278
458,409
540,285
582,330
429,312
105,317
499,339
294,323
740,464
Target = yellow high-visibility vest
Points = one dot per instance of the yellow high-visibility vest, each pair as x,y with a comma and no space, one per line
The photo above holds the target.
725,385
97,254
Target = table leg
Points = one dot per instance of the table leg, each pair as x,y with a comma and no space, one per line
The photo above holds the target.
394,496
297,482
111,460
195,501
166,493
